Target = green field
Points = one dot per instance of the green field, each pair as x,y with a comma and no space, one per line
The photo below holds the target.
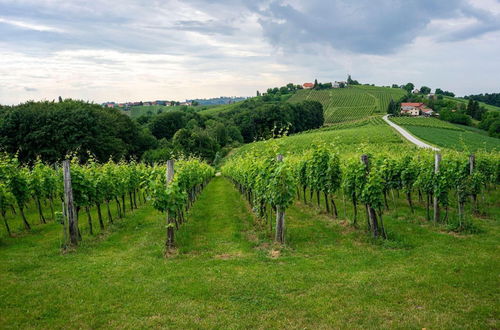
425,122
372,133
219,108
447,135
461,100
345,104
455,139
328,276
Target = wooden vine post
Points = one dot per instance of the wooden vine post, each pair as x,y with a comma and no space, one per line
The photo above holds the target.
472,162
437,161
170,216
372,214
280,217
69,204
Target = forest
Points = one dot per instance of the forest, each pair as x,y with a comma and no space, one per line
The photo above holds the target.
51,130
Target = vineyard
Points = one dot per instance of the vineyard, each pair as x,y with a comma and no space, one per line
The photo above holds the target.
225,257
368,134
424,122
346,104
446,135
367,181
349,218
76,188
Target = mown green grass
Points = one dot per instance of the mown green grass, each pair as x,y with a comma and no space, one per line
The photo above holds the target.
227,274
455,139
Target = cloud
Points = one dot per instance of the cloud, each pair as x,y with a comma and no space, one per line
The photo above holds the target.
30,89
201,48
30,26
366,26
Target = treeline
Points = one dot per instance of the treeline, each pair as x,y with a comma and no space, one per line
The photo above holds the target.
278,94
52,130
491,99
260,120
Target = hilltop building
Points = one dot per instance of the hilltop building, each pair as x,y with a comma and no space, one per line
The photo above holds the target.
308,85
416,109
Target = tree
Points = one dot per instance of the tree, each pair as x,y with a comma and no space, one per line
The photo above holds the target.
395,86
409,87
350,81
425,90
51,130
166,124
392,108
315,83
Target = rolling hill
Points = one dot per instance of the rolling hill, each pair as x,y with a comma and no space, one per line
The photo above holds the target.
459,99
345,104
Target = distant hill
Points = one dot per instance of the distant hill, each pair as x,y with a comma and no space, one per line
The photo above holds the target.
218,100
356,102
465,101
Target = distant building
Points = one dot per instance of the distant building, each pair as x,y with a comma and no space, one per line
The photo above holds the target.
308,85
416,109
416,91
339,84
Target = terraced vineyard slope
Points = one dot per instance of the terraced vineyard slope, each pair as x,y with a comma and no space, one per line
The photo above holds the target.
346,104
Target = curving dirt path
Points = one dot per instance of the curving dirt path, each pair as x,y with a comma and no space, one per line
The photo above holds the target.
408,136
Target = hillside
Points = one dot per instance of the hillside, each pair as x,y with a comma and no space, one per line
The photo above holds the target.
461,100
348,138
446,135
344,104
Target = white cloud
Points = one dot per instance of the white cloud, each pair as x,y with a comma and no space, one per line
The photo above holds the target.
30,25
198,48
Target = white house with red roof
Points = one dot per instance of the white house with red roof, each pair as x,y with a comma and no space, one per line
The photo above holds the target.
308,85
415,109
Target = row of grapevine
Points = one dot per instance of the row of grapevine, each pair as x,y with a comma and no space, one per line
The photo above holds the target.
94,185
266,181
366,180
174,191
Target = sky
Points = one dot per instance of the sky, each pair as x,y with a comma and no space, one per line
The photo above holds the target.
132,50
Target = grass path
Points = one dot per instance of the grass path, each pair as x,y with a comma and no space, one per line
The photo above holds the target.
218,223
226,275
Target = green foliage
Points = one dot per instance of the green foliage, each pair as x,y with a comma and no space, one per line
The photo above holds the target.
51,130
172,197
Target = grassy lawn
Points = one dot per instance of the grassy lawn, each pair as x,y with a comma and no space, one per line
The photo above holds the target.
228,274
